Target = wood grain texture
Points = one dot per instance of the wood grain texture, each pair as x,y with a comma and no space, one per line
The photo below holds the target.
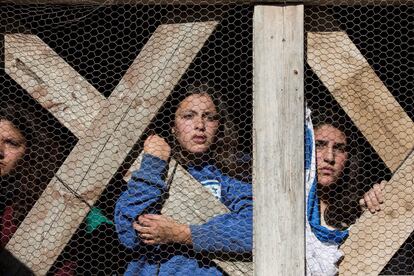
113,132
278,161
363,96
52,82
375,238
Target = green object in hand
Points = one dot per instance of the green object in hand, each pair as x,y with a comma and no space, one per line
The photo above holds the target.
96,218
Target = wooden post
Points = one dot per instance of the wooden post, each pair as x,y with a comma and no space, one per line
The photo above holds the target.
278,112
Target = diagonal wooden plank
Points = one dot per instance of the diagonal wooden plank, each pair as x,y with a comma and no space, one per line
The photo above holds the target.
96,157
189,202
52,82
348,76
376,237
359,91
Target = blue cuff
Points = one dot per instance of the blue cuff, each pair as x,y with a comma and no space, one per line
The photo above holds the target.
201,241
152,164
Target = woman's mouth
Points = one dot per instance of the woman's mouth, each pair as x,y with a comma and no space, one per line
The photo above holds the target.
327,170
199,139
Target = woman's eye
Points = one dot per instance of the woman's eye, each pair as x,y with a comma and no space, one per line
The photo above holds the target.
340,148
212,117
320,144
187,116
13,143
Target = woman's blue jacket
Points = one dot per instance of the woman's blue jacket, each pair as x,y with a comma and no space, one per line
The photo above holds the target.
225,235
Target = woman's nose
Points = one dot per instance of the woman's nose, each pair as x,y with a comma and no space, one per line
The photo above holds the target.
329,156
1,150
199,123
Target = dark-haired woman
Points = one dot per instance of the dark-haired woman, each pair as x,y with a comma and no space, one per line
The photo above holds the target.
333,199
16,136
166,246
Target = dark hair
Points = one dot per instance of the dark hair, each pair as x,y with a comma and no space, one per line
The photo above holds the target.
342,196
224,148
27,181
20,119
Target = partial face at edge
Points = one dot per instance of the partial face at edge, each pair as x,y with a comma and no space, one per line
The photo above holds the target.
196,123
12,147
331,154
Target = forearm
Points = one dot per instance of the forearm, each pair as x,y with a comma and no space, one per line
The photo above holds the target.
144,194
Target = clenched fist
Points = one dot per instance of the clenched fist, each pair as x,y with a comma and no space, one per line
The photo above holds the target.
157,146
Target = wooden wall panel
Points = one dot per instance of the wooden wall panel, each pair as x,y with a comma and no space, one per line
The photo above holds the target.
278,161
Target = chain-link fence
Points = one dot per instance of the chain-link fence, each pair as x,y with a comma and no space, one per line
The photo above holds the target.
126,138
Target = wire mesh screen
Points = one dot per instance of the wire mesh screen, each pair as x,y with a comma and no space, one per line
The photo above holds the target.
125,140
359,85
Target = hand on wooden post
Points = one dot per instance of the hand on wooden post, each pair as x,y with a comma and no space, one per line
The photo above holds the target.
157,146
159,229
373,199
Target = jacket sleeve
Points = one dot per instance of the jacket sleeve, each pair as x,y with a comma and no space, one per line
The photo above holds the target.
143,195
231,232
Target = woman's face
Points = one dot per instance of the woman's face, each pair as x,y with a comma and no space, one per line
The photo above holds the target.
12,146
196,123
331,154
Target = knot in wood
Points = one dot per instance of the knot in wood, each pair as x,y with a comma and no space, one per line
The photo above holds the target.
392,214
408,206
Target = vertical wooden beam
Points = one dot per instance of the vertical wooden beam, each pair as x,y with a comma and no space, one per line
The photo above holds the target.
278,112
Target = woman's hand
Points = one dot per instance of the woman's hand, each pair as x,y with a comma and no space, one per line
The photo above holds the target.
373,199
157,146
159,229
